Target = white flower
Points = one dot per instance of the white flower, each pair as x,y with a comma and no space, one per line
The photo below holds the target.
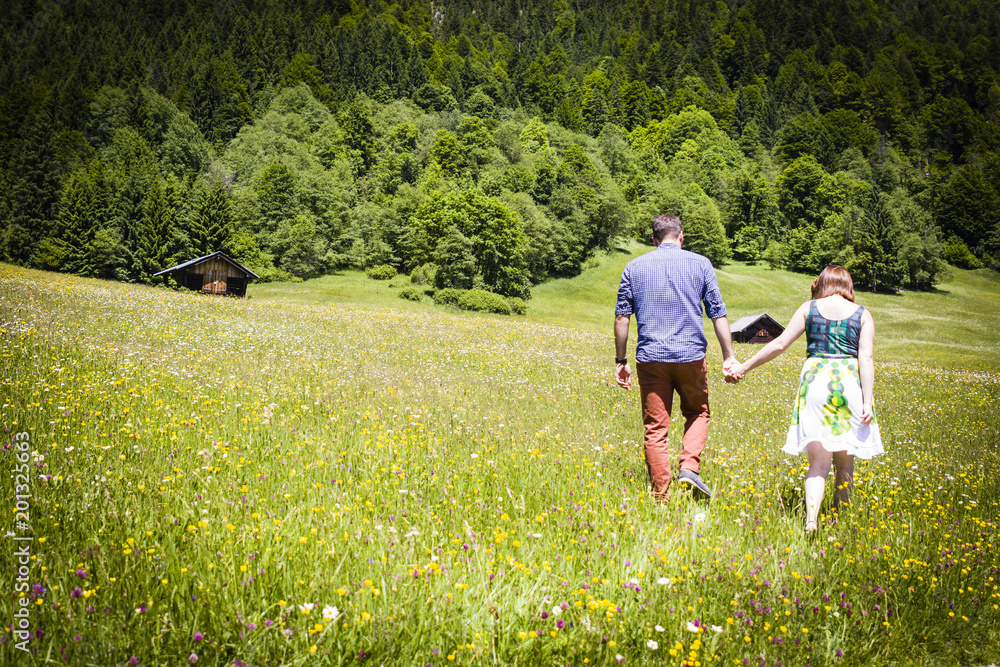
633,581
692,627
652,645
660,628
699,517
664,581
330,613
306,608
556,610
717,628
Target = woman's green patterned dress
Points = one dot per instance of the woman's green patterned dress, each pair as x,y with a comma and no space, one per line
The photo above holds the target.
828,405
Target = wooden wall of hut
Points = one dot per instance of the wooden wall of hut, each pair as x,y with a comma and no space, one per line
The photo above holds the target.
216,276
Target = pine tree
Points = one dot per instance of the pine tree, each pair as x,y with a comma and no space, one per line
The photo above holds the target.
161,246
210,220
359,134
876,244
33,187
76,221
218,217
635,105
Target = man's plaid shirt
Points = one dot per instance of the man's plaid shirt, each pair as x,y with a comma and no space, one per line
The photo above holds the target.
665,290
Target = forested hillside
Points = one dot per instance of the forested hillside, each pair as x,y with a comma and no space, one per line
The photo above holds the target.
496,144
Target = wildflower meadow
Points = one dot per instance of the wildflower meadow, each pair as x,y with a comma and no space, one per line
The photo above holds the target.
328,481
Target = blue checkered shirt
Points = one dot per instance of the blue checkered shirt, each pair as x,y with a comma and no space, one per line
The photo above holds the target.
665,290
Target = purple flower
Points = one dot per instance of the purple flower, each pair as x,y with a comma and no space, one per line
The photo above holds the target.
545,615
76,592
198,636
251,626
840,654
133,660
77,638
82,574
560,624
268,623
193,658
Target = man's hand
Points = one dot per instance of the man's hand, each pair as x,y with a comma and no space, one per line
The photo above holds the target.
623,376
732,370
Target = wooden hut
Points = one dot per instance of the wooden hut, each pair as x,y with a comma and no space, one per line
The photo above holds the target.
760,328
212,274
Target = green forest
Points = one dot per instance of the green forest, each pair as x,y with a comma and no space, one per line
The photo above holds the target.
495,144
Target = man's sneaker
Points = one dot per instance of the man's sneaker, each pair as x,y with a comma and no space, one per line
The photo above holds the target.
691,479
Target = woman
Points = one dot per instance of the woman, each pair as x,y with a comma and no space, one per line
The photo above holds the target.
833,420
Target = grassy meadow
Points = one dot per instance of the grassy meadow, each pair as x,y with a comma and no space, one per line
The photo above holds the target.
327,474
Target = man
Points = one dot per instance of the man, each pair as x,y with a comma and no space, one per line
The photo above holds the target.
665,290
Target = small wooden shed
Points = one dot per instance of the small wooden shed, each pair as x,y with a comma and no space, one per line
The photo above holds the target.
212,274
760,328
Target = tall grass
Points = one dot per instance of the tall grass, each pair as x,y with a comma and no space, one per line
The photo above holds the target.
326,475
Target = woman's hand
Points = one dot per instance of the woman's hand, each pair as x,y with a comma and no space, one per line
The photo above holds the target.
867,414
733,371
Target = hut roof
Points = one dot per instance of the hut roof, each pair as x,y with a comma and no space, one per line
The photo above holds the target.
748,321
219,254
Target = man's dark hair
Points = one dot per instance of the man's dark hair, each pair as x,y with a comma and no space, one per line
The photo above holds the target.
666,227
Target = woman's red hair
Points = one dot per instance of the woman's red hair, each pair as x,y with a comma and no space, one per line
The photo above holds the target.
833,280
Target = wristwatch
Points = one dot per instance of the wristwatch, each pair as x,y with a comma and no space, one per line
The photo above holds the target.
621,360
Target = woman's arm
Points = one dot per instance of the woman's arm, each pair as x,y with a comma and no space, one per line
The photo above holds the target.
866,366
796,327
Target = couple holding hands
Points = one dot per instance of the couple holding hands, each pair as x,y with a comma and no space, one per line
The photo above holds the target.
832,419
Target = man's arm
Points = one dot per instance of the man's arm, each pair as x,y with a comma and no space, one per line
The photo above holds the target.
623,374
715,308
722,332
